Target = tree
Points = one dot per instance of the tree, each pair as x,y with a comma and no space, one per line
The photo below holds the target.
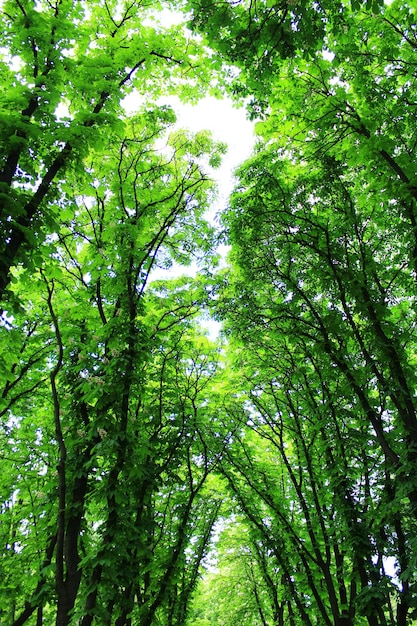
320,301
111,390
260,38
319,315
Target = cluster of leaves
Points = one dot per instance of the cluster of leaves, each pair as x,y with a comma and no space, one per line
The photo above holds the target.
259,36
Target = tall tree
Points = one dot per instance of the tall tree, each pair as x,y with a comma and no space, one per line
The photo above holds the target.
104,397
321,294
324,315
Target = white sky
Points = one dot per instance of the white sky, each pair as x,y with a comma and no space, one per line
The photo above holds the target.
227,124
230,125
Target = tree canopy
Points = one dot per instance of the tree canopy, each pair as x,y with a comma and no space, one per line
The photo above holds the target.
151,476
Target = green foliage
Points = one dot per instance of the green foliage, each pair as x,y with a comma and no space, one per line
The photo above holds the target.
236,591
67,70
106,390
318,304
128,439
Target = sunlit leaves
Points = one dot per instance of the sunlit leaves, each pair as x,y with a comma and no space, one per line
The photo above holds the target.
69,68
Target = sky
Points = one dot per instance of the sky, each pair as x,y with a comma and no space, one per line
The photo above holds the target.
227,124
230,125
